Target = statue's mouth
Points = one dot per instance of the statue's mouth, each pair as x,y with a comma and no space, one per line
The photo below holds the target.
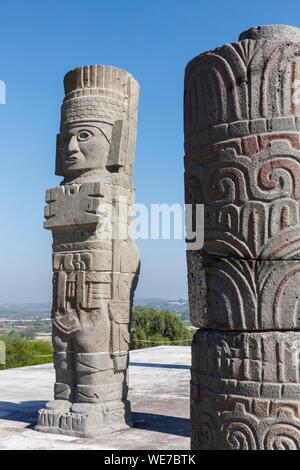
71,159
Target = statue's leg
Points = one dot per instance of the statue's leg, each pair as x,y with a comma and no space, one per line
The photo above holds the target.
96,379
63,358
50,418
93,362
100,396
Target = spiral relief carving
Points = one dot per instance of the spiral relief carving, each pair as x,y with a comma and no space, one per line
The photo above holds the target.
234,181
283,174
261,434
239,436
250,203
282,436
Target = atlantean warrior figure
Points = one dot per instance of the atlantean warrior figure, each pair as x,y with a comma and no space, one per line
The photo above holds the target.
95,261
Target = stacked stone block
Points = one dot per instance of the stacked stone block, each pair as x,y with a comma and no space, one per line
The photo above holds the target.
242,147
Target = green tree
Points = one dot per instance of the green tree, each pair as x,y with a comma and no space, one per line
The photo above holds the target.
151,327
21,352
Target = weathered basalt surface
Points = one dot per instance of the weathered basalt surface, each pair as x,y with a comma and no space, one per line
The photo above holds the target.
95,262
242,161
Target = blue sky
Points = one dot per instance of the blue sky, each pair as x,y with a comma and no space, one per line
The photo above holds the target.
154,39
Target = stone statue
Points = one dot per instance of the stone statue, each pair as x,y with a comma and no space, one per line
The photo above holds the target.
242,146
95,261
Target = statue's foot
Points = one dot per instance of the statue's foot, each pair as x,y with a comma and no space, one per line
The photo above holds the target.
84,419
85,407
50,417
58,405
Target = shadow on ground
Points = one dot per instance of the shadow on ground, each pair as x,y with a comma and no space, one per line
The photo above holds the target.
26,411
162,423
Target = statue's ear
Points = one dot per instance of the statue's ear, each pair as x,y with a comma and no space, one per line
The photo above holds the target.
58,168
118,152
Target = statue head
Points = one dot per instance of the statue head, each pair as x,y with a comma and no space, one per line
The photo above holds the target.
98,121
83,147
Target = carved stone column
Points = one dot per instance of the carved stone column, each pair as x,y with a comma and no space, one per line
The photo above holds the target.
242,145
95,262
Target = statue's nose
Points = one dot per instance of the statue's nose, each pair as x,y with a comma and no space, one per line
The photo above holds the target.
73,145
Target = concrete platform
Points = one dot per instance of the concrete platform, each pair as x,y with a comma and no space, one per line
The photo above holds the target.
159,394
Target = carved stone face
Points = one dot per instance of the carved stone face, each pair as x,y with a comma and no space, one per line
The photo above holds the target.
82,148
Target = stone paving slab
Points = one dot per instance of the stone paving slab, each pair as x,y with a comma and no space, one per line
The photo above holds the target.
159,393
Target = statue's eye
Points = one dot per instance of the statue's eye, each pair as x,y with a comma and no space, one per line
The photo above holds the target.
84,135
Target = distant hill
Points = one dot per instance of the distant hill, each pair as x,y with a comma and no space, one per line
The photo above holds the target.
25,308
42,310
